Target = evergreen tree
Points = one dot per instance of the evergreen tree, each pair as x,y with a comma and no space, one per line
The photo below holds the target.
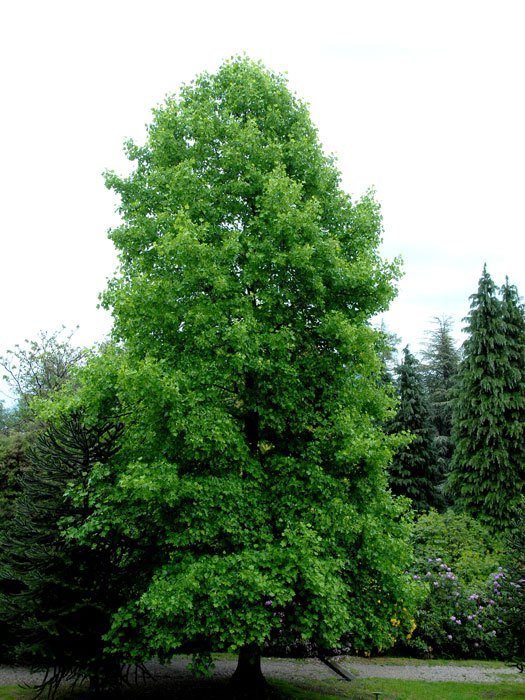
34,370
14,463
57,596
488,466
253,448
414,472
441,366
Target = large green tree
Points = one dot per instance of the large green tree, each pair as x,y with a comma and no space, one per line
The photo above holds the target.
249,383
414,470
488,467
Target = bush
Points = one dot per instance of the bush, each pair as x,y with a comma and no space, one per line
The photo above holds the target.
469,596
466,545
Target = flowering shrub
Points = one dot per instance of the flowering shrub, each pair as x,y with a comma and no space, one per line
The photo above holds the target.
469,596
466,545
454,622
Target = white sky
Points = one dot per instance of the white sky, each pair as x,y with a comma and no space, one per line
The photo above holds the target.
422,100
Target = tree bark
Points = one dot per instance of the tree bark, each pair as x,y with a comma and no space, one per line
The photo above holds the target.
248,680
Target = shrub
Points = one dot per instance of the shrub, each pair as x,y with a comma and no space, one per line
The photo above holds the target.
466,545
468,611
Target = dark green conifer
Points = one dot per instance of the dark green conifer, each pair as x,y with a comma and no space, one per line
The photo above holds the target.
488,466
414,469
55,594
441,366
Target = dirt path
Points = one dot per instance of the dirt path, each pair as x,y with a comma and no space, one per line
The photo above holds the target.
297,670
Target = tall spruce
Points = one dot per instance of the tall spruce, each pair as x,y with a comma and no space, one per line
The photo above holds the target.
253,448
441,365
414,471
488,465
57,596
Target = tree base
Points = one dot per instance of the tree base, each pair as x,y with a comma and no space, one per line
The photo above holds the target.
248,681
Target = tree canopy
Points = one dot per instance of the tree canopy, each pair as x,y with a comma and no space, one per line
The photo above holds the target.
246,374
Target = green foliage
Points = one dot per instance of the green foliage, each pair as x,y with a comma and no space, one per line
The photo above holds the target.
472,608
441,366
513,590
463,542
56,596
488,468
413,472
40,367
13,462
253,459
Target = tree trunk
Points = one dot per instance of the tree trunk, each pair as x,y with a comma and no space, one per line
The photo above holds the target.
248,680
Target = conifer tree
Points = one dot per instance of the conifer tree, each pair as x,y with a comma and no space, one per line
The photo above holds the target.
253,446
488,466
56,596
414,472
441,366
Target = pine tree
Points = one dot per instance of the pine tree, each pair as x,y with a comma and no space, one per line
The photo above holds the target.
441,366
413,472
488,465
55,595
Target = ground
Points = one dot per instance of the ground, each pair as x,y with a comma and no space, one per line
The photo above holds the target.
392,678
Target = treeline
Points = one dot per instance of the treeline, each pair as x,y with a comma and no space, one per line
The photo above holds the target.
465,411
463,467
216,477
461,414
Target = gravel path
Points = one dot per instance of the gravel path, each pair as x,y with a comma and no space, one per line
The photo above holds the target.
432,672
297,671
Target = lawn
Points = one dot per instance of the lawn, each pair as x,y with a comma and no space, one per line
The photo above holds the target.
364,689
391,689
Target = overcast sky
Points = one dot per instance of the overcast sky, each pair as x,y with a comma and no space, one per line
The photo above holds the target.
424,101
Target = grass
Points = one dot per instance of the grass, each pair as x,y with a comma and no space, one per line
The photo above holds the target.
364,689
13,692
391,689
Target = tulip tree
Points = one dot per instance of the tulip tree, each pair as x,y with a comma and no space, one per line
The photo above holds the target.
249,381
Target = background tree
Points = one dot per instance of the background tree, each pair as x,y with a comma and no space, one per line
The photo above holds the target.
39,367
253,450
56,596
488,466
35,370
441,365
414,469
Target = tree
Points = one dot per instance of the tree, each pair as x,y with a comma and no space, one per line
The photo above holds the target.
488,466
441,366
40,367
253,452
57,596
414,472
